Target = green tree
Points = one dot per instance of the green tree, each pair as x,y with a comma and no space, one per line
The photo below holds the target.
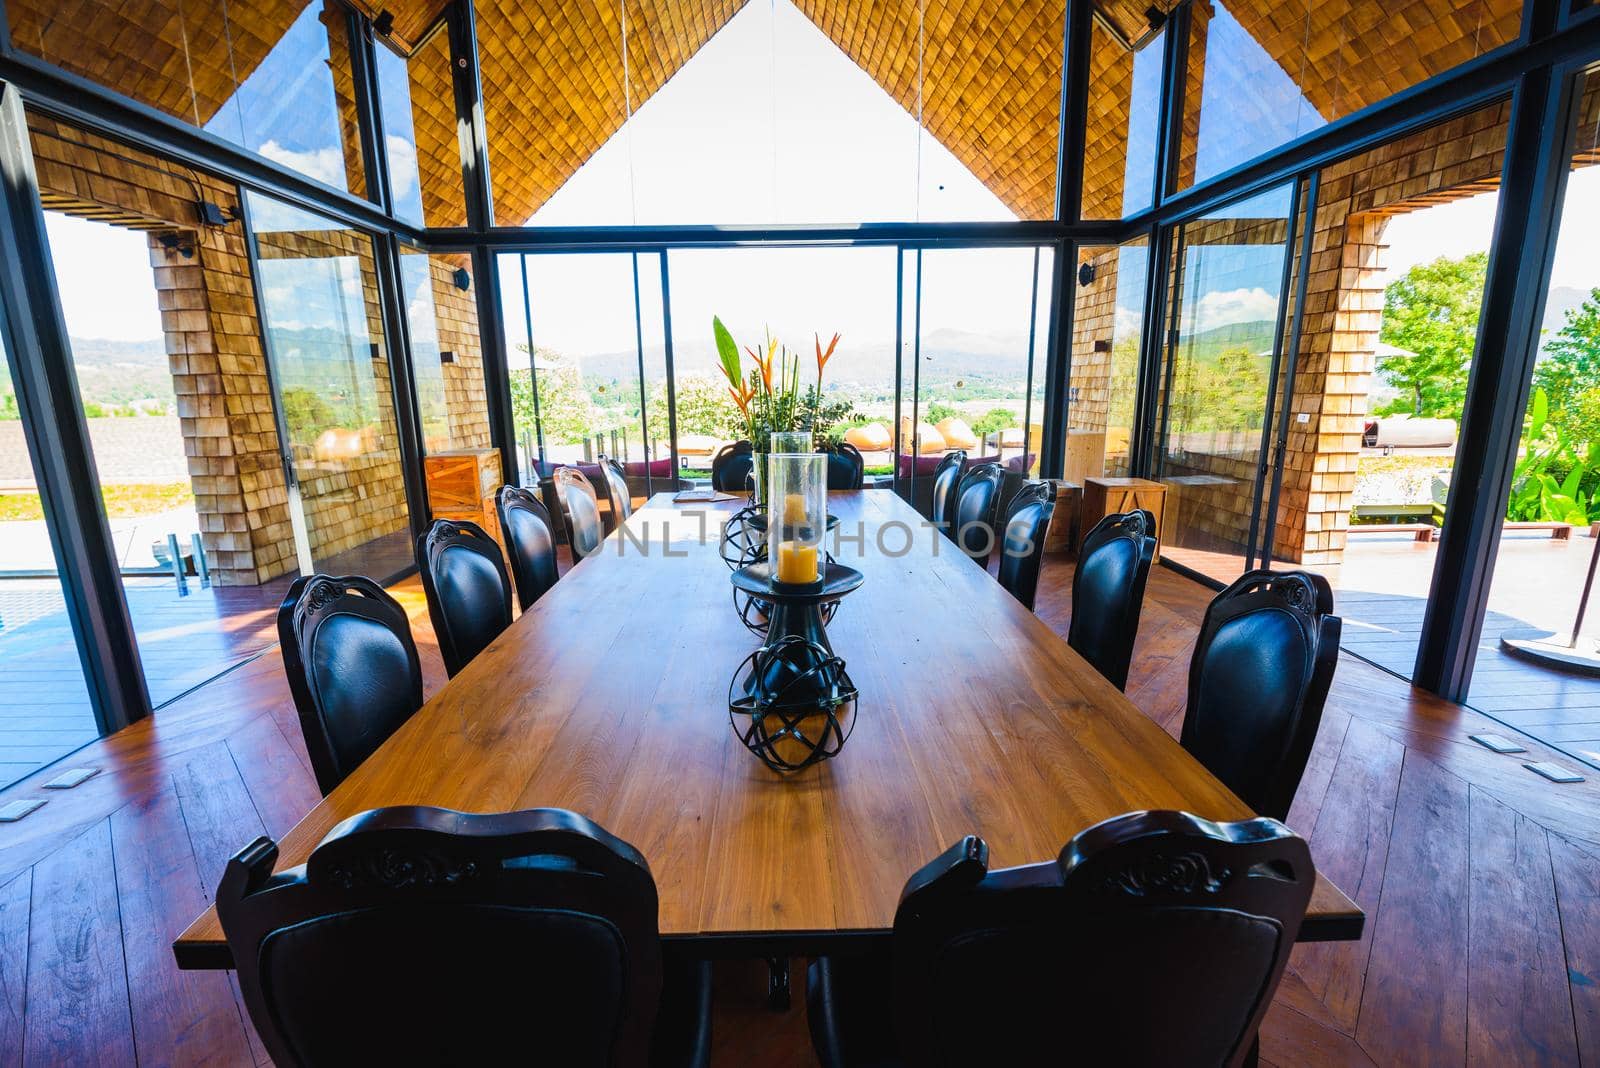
993,420
565,410
1570,371
1432,312
704,407
306,414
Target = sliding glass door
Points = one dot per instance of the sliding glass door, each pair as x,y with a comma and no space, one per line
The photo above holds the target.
323,325
1229,289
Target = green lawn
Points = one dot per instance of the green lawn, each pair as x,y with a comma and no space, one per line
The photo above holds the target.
121,502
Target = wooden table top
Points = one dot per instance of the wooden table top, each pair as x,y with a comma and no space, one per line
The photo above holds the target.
609,698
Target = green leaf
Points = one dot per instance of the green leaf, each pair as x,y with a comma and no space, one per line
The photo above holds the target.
1538,414
727,351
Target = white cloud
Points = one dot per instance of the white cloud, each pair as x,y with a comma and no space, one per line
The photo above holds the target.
323,164
1224,306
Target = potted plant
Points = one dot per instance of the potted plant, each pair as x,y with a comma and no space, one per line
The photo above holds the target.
770,398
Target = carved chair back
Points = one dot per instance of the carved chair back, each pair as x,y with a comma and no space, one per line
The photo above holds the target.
352,668
580,510
1155,938
731,467
942,502
531,541
1258,679
468,591
977,498
424,936
1022,544
1108,591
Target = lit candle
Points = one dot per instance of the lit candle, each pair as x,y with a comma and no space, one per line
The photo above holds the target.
794,510
797,563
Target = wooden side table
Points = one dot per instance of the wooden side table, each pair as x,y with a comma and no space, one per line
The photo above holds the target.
1106,496
462,484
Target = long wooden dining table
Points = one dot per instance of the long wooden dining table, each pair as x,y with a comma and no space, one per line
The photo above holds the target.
609,697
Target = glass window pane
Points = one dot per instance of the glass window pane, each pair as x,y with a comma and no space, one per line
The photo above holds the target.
330,364
798,295
1106,324
1261,75
417,96
1386,347
48,712
275,79
166,352
585,359
1538,586
1217,375
1120,139
446,350
977,345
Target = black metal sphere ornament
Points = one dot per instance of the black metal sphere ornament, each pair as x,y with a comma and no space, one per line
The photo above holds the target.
791,702
744,542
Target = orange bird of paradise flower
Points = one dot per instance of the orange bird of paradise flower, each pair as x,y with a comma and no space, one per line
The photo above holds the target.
824,357
765,364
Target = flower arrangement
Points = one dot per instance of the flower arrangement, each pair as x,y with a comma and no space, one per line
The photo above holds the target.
769,396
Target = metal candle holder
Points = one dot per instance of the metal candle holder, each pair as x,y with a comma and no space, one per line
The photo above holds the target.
791,701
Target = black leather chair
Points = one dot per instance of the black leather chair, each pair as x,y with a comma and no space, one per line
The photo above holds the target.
846,467
352,666
1108,591
1259,676
972,519
580,511
1155,938
1022,545
731,467
617,491
424,936
468,591
530,542
942,502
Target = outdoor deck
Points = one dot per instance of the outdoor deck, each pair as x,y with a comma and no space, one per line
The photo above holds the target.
184,641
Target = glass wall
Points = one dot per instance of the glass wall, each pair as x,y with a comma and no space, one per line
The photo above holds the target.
334,390
167,360
446,350
796,296
417,99
583,314
1107,321
45,711
1261,75
1537,599
1390,325
1119,166
1217,373
274,78
979,334
771,113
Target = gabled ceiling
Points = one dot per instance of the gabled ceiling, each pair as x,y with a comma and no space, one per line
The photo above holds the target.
554,79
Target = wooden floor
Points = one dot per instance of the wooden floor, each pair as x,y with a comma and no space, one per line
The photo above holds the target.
1480,880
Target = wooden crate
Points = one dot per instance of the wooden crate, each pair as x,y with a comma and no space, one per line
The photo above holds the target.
1064,523
1086,455
462,484
1105,496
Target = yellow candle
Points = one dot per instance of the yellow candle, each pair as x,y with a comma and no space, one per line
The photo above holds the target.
797,563
794,509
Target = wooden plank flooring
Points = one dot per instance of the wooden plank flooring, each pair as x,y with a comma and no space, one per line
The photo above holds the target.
1481,881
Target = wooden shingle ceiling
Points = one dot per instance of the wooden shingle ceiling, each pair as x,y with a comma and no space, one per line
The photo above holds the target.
554,80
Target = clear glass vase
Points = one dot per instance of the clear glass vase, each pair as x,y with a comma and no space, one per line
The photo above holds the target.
797,516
